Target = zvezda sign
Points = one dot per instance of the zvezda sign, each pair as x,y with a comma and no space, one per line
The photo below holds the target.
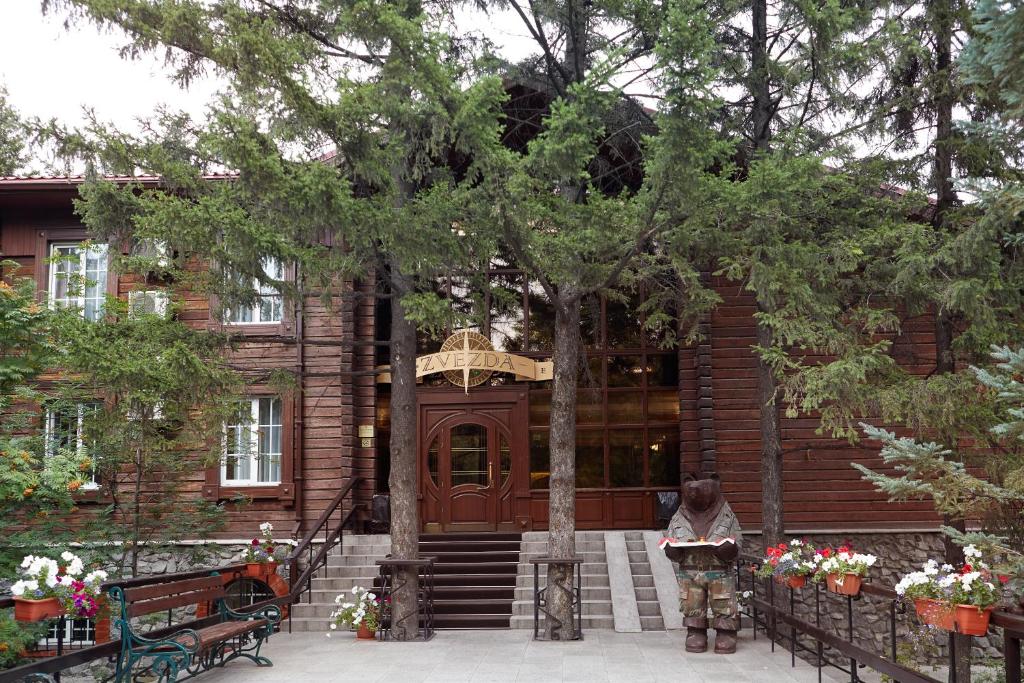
467,359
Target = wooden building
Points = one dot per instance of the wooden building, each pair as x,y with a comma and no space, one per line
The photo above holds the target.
645,413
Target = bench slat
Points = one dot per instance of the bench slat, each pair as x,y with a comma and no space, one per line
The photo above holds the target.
160,590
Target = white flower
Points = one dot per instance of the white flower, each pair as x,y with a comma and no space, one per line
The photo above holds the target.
328,635
947,581
818,558
334,626
371,596
971,551
947,568
29,559
67,556
18,589
795,543
355,590
95,576
266,527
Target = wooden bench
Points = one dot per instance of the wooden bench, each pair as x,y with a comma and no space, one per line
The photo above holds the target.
187,650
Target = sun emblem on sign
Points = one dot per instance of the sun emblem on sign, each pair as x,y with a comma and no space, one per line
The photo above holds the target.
467,340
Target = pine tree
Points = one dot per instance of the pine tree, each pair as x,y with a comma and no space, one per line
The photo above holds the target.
375,84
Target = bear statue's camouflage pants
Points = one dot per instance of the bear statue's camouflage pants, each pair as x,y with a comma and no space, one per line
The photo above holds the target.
699,589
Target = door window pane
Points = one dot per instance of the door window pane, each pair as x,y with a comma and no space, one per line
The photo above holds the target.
432,460
505,458
589,459
469,454
540,408
625,454
663,456
540,460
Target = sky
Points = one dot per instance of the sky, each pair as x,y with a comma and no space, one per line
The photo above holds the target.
50,71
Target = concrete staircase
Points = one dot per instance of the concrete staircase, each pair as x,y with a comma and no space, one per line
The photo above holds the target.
352,566
644,589
597,600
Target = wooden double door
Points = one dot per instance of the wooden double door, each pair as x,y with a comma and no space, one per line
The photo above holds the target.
472,453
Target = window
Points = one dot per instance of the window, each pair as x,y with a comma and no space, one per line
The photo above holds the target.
65,430
78,277
267,307
78,633
252,444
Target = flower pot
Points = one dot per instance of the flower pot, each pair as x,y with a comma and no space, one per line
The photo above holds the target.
255,570
934,613
271,568
972,621
843,585
796,581
26,610
364,633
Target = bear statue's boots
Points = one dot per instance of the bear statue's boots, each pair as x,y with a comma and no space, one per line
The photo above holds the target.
725,642
697,639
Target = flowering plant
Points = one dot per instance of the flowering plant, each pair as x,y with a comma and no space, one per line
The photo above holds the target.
364,610
971,584
841,561
264,550
795,558
41,577
44,578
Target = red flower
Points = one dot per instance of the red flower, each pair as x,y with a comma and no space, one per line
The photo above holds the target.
827,552
255,541
1003,578
967,569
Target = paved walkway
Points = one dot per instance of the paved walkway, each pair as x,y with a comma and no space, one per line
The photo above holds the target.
513,656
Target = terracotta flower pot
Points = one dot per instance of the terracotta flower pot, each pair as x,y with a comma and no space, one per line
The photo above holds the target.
846,585
934,613
26,610
364,633
972,621
255,569
796,581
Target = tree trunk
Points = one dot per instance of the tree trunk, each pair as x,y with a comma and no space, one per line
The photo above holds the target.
760,80
562,487
137,513
772,526
405,523
945,199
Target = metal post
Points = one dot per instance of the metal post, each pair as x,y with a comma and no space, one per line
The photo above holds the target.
61,625
817,622
892,629
952,656
792,629
537,599
772,623
753,602
849,629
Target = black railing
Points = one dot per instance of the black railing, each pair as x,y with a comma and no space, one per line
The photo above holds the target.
424,568
540,596
767,614
299,583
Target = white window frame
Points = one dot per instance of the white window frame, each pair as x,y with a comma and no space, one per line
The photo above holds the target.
49,638
253,455
264,293
78,299
50,433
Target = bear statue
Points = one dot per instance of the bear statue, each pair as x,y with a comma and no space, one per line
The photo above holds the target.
706,571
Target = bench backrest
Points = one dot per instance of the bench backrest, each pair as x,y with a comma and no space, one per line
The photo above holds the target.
160,597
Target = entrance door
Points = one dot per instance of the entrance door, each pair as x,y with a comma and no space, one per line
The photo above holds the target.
467,456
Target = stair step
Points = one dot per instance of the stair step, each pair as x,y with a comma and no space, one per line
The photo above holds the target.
475,568
471,620
475,579
472,536
474,592
462,557
472,606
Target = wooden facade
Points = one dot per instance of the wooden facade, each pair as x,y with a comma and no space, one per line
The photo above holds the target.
338,402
